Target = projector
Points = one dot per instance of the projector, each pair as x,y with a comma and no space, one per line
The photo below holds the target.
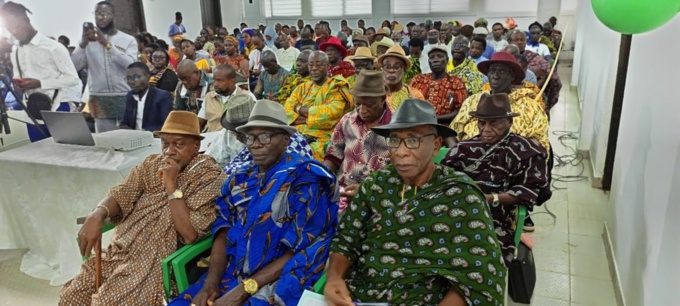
123,140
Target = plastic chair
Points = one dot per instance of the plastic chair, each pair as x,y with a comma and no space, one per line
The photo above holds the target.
175,263
442,153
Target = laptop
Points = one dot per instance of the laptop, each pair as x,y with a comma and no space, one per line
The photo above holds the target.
68,128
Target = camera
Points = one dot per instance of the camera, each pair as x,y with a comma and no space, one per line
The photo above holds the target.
88,25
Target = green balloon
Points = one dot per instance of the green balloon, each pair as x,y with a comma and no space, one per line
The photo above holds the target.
635,16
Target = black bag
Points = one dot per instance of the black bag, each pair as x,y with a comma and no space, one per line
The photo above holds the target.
36,101
522,275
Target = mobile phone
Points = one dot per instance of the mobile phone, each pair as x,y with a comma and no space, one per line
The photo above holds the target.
88,25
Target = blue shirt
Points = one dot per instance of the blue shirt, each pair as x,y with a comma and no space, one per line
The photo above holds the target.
489,51
531,77
176,29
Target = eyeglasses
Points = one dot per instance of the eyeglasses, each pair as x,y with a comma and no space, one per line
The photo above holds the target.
134,78
100,14
410,143
459,46
158,57
393,68
264,139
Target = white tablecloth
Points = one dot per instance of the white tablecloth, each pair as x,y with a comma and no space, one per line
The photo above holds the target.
44,187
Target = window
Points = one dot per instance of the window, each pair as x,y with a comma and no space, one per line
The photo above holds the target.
511,6
415,7
275,8
335,8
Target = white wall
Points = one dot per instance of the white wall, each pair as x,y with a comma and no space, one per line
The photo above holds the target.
46,17
594,75
646,181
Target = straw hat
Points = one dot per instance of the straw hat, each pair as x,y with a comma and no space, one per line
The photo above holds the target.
362,53
181,123
268,114
369,83
398,52
386,42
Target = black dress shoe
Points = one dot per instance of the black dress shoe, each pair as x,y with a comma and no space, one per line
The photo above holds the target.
529,224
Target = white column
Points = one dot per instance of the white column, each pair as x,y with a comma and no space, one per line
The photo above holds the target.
547,9
382,10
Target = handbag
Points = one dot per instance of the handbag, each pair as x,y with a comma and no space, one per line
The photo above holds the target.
37,101
522,275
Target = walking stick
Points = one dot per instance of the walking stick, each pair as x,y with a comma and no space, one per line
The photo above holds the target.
98,265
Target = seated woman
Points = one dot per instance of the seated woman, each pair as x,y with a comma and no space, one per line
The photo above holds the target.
163,76
510,169
274,224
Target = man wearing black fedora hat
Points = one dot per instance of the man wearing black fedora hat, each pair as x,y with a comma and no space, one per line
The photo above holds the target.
510,169
353,147
409,207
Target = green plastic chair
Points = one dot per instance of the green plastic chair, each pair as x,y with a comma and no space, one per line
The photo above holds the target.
442,153
173,265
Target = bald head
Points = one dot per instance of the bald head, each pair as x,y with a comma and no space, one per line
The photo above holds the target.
512,49
318,67
186,66
188,74
268,56
305,54
319,56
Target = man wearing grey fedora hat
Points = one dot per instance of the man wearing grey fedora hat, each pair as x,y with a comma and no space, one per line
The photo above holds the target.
354,148
416,207
236,116
510,169
275,221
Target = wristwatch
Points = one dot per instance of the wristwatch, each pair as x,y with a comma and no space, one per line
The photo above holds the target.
177,194
250,286
496,201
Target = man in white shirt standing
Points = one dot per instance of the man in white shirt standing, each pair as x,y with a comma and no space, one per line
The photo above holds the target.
216,102
286,55
106,52
40,64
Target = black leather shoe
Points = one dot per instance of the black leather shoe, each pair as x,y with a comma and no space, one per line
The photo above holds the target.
529,225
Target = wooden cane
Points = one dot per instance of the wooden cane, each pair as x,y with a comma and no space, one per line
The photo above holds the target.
98,265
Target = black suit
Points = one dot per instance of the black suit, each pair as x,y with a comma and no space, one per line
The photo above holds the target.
157,106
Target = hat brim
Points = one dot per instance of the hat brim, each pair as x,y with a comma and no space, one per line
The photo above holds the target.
266,124
231,126
479,116
356,92
407,61
520,74
342,49
384,130
177,132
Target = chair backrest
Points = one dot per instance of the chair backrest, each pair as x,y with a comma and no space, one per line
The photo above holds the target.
442,153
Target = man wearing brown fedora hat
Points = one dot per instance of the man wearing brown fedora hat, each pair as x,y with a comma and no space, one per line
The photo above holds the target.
504,72
275,221
406,218
336,51
316,106
394,64
362,60
167,199
444,91
353,147
510,169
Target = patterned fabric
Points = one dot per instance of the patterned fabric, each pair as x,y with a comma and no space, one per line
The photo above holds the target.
107,107
297,145
327,104
409,247
413,71
549,43
446,94
357,150
291,82
394,99
192,100
293,206
532,122
345,69
145,234
516,166
542,67
165,79
235,61
175,57
473,79
525,84
268,85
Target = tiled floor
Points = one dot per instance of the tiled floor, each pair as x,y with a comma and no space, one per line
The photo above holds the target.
569,253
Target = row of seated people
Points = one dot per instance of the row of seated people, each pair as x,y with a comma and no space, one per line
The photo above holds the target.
413,233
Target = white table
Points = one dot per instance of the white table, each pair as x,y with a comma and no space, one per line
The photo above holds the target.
44,187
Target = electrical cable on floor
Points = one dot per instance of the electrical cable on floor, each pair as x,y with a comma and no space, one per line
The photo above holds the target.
572,158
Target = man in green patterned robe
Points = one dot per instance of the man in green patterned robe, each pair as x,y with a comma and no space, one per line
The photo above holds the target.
416,233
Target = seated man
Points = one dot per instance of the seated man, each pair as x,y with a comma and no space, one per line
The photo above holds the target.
194,85
394,64
510,169
238,117
354,148
316,106
275,222
416,233
464,67
146,107
362,60
166,201
202,59
298,76
271,79
336,51
237,113
444,91
216,101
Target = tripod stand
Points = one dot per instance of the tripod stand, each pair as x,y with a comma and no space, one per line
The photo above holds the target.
4,117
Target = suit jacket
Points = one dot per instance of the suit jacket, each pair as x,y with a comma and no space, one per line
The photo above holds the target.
157,106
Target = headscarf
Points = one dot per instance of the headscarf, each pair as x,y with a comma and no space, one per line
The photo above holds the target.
232,39
250,31
272,36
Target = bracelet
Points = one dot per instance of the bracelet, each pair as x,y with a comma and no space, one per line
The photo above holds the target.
108,213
